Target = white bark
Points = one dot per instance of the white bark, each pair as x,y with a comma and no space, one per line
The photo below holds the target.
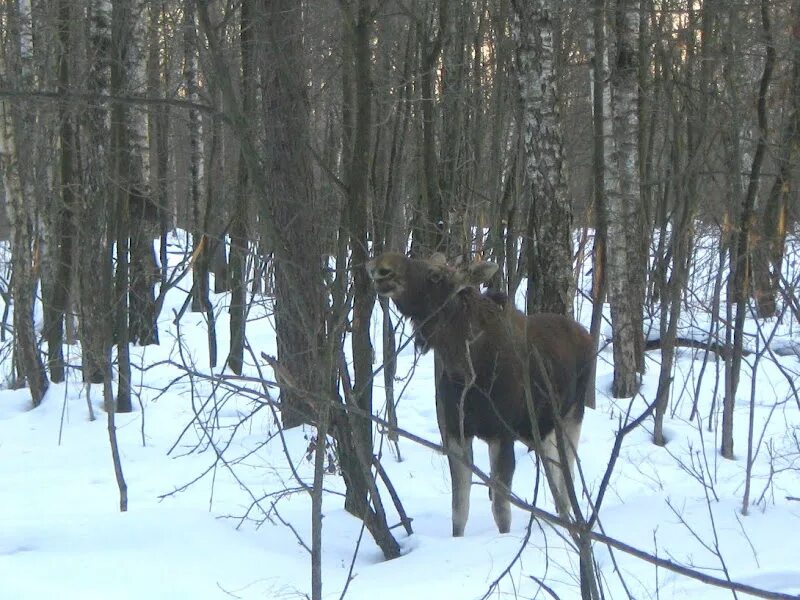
551,287
136,68
622,192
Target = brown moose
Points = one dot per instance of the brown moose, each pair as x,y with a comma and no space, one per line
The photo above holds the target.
501,372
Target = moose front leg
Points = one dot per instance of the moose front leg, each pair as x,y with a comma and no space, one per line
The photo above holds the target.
502,462
459,457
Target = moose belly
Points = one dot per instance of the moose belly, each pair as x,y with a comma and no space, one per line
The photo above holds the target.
486,414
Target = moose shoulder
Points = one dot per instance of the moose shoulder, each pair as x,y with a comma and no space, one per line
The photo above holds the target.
505,376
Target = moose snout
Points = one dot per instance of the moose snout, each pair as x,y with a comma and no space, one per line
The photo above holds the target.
384,277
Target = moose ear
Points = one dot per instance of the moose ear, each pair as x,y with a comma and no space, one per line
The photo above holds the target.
475,274
481,272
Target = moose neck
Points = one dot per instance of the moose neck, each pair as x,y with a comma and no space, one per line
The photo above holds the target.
451,330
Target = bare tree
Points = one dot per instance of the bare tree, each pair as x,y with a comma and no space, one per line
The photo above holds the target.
92,215
240,208
429,220
61,220
291,204
16,68
357,92
775,218
740,252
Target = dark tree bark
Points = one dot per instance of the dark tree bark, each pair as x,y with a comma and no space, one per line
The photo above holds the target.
121,19
689,115
429,221
94,255
291,205
599,73
238,254
200,254
20,202
740,255
357,145
159,85
62,215
26,350
774,216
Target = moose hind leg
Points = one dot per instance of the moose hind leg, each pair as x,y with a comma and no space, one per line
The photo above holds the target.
460,480
502,462
555,473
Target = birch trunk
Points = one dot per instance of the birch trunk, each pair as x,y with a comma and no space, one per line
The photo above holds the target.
200,281
143,209
550,280
622,192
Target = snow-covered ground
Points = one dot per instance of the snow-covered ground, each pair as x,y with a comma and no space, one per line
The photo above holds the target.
232,525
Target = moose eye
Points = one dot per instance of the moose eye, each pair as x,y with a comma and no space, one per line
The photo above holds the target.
435,276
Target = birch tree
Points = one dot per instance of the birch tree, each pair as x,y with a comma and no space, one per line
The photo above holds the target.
550,279
143,210
623,195
200,301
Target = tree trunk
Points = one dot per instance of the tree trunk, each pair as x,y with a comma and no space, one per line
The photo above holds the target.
622,185
550,280
774,216
238,256
300,296
200,279
94,253
740,254
142,210
16,69
600,108
428,235
358,135
26,350
62,216
121,160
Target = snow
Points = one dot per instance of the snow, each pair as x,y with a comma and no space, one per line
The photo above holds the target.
198,527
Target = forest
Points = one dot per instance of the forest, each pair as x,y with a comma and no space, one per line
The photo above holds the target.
193,191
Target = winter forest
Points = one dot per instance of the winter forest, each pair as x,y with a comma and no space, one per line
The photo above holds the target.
214,380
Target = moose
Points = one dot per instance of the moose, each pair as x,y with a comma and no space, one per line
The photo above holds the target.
504,376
